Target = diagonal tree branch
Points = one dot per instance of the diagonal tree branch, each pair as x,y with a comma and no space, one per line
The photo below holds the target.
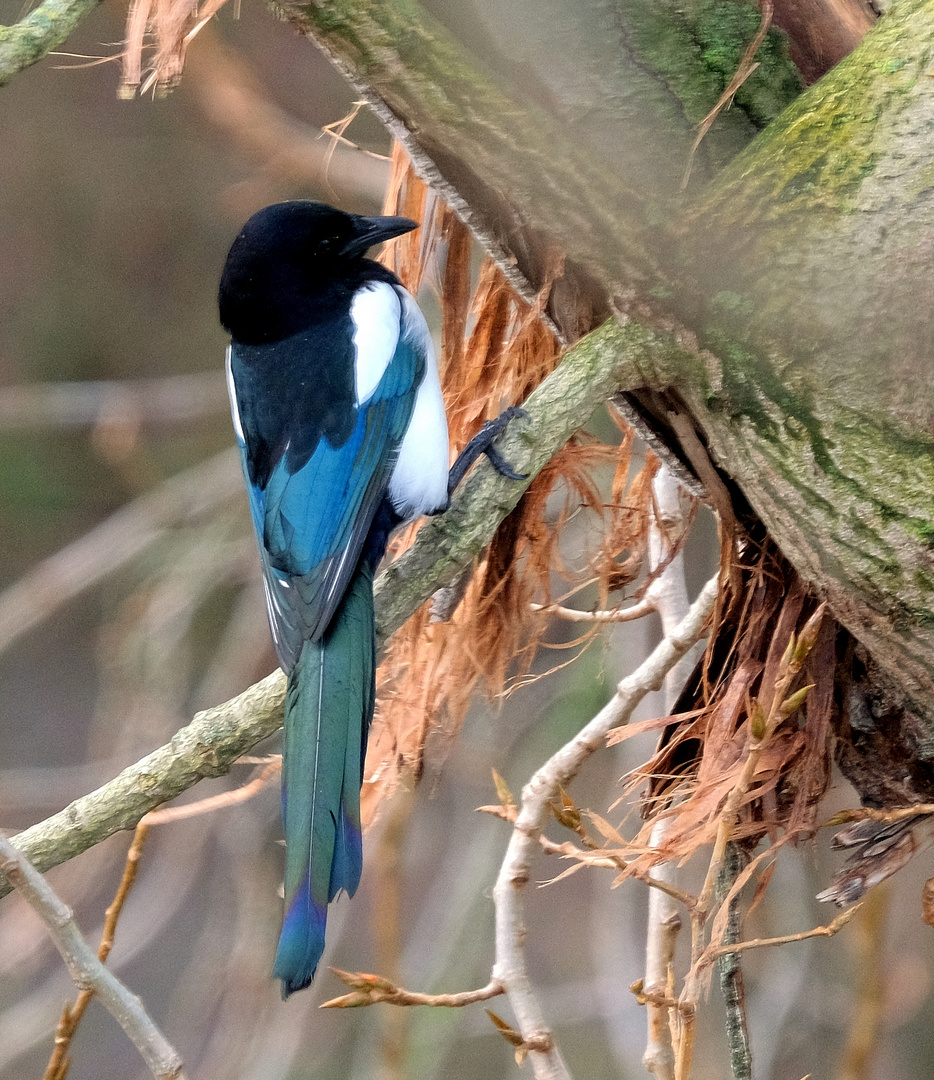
510,969
86,969
798,266
611,358
41,31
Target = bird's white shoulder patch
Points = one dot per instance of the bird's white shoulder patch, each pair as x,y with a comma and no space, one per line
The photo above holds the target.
376,313
419,483
232,392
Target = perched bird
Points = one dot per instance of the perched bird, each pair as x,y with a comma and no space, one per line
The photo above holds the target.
337,407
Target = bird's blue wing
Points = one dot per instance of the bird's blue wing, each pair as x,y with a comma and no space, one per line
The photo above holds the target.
312,520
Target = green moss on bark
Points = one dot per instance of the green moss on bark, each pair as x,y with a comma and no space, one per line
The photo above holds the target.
42,30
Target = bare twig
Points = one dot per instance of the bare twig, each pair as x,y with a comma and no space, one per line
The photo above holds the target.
208,746
613,615
763,724
870,813
833,927
216,802
59,1062
732,983
509,968
668,595
86,969
371,989
602,860
663,927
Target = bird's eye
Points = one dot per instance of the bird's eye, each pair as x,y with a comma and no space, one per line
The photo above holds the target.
328,244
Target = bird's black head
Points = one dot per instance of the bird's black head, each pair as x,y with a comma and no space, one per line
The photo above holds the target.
291,260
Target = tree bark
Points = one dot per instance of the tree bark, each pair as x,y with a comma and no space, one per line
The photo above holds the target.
793,278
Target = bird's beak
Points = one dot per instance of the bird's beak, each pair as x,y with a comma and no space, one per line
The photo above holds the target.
371,230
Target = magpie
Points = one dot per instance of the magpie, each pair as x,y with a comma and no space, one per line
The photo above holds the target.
337,408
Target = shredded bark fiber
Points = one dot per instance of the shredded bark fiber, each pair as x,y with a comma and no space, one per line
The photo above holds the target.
494,351
702,753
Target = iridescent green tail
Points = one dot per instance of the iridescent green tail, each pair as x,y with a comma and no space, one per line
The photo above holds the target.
328,708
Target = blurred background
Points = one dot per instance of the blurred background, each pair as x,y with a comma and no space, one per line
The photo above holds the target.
115,218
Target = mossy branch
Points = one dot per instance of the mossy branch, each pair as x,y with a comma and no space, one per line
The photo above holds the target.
614,357
798,268
41,31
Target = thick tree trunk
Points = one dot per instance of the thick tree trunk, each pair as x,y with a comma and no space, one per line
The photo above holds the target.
795,276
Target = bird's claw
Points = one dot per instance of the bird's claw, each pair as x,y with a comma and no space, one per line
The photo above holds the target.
502,466
482,443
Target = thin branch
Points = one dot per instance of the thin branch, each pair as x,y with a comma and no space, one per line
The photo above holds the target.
515,873
732,983
59,1061
612,357
870,813
86,969
668,595
763,725
41,31
215,802
208,746
833,927
566,849
372,989
663,928
613,615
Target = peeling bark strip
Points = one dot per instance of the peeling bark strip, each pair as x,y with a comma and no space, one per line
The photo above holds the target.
803,269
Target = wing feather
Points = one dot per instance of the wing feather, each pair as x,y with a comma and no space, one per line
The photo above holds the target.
312,521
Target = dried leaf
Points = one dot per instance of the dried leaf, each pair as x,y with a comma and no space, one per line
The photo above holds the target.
762,883
606,830
566,812
503,793
508,1032
620,734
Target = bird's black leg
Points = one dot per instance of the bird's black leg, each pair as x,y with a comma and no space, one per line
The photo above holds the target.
482,443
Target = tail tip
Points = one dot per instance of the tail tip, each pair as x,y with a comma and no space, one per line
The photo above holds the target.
301,943
293,983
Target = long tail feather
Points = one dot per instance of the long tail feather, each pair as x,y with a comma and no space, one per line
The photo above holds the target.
329,705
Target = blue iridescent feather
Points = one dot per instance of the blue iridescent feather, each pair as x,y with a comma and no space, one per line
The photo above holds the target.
337,407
